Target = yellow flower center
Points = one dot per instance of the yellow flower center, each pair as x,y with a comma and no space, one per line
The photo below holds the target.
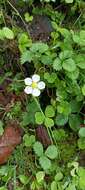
34,85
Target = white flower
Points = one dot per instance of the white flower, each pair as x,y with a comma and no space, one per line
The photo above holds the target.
34,85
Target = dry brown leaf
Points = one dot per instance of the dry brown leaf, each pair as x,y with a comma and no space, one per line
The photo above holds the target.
8,141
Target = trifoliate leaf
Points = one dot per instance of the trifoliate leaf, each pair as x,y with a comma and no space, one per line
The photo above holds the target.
28,18
50,77
28,140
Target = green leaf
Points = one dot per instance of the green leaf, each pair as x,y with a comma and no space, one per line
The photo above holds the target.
69,1
23,179
46,75
81,172
66,53
45,163
33,185
81,143
38,148
51,152
39,118
3,170
57,64
71,187
82,37
46,60
81,178
59,134
50,77
28,18
61,120
40,176
29,140
40,47
54,185
74,122
61,91
82,132
8,33
58,176
75,106
83,90
49,122
69,65
26,56
76,38
29,116
49,111
66,33
80,60
73,75
24,42
19,188
64,108
3,188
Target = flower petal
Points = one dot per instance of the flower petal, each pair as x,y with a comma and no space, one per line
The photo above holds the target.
36,78
28,90
41,85
28,81
36,92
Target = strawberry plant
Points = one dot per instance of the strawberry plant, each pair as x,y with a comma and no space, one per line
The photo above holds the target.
42,95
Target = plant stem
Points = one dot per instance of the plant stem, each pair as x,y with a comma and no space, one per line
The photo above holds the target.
35,99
